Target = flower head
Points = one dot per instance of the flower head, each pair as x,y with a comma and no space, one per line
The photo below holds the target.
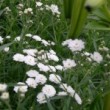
97,57
3,87
49,90
55,78
68,64
18,57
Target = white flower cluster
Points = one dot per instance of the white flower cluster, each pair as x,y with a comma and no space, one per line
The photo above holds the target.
42,59
39,6
49,91
53,8
77,46
28,59
28,11
35,79
96,56
33,56
3,91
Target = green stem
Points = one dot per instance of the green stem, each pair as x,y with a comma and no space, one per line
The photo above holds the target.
76,7
107,102
8,105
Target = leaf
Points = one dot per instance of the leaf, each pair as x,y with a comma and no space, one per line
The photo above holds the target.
67,104
1,12
97,26
49,104
21,107
56,97
5,45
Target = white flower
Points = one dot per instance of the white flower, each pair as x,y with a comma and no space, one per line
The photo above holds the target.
43,67
68,89
49,90
106,49
40,79
71,91
52,68
44,42
52,57
28,10
63,86
62,93
52,43
59,67
7,9
108,56
31,52
39,4
1,40
89,59
4,96
96,56
55,78
78,99
20,6
43,57
41,98
29,60
54,9
18,38
32,73
36,37
68,64
18,57
66,42
28,35
87,54
52,52
3,87
6,49
47,7
76,45
8,37
21,87
31,82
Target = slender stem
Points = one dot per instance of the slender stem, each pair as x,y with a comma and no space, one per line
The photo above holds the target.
8,105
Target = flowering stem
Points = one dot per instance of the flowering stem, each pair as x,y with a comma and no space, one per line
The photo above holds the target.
19,102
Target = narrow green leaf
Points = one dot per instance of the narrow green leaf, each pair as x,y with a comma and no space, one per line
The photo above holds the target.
97,26
49,105
1,12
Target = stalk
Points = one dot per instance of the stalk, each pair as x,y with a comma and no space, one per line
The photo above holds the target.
76,14
105,10
81,20
68,8
107,102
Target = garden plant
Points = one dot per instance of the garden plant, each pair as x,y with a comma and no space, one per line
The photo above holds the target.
54,54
